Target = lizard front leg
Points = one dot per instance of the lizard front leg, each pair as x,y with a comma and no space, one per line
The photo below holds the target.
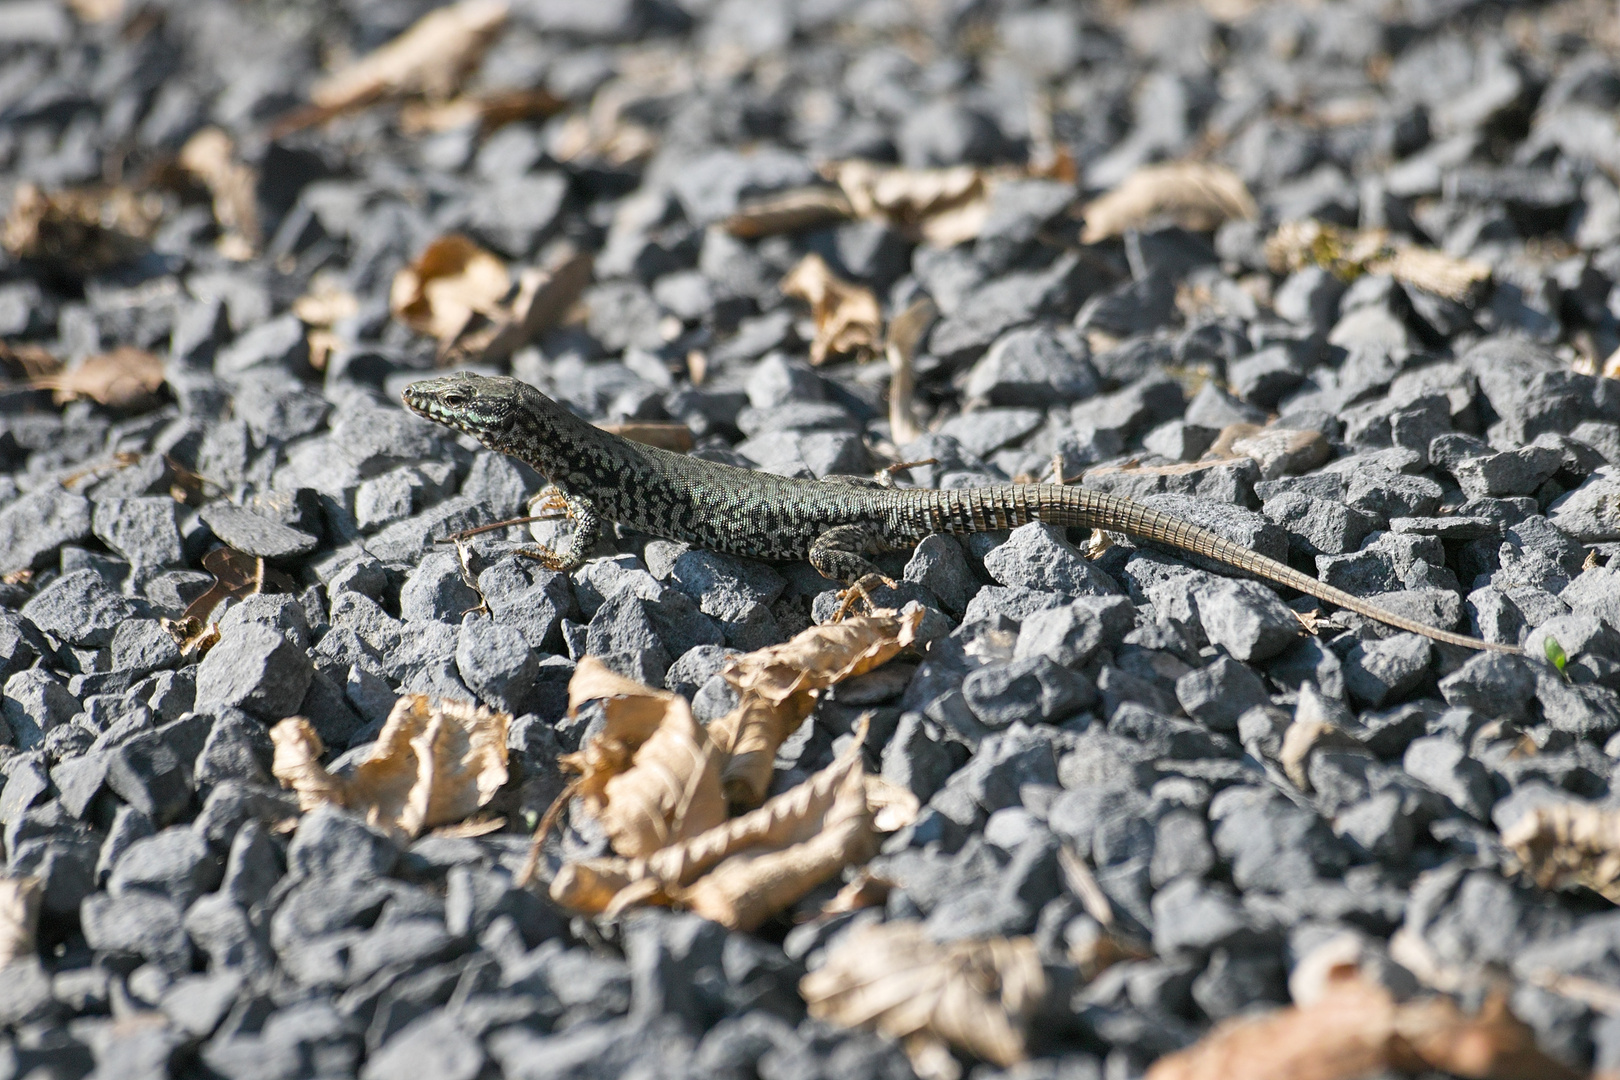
587,529
840,553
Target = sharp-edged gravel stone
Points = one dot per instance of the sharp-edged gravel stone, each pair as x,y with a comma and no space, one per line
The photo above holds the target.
1240,790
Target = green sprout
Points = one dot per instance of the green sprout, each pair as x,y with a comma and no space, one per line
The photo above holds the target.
1555,653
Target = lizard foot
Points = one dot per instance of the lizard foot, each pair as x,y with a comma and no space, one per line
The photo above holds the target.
547,558
860,591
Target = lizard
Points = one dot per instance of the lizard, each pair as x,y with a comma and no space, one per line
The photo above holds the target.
835,523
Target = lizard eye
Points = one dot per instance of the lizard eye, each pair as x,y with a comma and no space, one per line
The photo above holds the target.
454,399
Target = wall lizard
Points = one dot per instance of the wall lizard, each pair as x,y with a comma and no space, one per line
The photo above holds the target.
835,523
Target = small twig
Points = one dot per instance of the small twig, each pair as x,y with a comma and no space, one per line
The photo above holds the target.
1084,885
885,475
527,519
531,865
1597,996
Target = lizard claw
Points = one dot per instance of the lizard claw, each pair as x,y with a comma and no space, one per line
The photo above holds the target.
860,591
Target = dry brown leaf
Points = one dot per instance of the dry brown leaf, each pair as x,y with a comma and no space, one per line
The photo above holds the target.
943,207
906,332
1492,1045
824,655
430,59
452,280
95,11
210,156
79,231
745,870
1349,253
752,885
435,763
849,321
976,995
749,736
236,574
1611,366
22,360
1566,844
775,688
326,302
126,378
893,807
602,137
1356,1028
19,917
1349,1032
651,776
790,211
491,111
543,299
1197,196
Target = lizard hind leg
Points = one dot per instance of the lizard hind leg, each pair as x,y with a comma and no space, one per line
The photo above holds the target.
587,530
840,553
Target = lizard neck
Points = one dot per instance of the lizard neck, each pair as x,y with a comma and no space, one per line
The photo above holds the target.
554,442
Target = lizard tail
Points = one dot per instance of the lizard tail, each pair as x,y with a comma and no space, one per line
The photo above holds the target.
1082,508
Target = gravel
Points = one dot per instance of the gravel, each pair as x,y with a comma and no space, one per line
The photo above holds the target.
1456,459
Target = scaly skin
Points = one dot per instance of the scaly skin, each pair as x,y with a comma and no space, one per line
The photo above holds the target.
834,523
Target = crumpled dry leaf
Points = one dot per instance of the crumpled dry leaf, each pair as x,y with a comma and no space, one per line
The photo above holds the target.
79,231
430,59
742,871
544,297
651,776
825,655
893,807
749,736
1197,196
326,302
236,574
906,332
210,156
849,321
752,885
775,688
22,360
1568,844
435,762
452,280
1349,253
601,137
943,207
977,995
126,378
19,916
322,307
1355,1028
95,11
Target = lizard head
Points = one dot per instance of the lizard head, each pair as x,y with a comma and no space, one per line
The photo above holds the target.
482,406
